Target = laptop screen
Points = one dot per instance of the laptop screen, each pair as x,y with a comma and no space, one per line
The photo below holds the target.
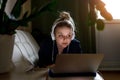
70,63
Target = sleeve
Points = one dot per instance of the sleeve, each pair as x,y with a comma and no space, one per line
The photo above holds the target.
41,55
44,54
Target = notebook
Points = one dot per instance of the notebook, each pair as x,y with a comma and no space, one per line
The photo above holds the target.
84,64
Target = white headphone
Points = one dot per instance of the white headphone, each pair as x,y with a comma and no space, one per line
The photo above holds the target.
69,22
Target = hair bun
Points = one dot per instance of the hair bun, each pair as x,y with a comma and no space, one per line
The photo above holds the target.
64,15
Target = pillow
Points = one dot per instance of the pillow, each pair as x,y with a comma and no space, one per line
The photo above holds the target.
20,62
25,53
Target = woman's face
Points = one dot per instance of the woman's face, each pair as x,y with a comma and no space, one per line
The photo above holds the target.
63,36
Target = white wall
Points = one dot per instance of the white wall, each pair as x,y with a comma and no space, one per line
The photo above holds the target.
108,42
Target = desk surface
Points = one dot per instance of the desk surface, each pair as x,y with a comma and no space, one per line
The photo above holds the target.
40,74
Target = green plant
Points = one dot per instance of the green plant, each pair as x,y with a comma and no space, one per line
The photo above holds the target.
99,6
8,24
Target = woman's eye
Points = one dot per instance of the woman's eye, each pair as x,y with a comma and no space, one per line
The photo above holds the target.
69,36
60,36
64,37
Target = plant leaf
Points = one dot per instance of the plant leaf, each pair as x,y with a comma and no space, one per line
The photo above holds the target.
16,11
2,9
100,25
47,7
25,14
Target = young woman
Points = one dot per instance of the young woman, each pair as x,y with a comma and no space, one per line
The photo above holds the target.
62,41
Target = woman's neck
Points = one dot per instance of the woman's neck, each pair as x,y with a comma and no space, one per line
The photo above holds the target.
60,49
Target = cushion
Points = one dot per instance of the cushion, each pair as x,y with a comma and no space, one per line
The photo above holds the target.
25,53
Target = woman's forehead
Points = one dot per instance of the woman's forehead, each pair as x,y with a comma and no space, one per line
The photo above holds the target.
63,29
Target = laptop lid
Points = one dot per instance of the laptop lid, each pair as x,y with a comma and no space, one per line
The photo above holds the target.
72,63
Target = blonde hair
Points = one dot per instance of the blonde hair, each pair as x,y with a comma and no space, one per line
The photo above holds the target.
66,18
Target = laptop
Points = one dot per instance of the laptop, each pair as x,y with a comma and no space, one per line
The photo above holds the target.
84,64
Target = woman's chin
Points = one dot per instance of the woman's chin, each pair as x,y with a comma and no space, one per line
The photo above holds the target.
64,46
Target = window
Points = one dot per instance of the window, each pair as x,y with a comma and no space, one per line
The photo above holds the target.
112,6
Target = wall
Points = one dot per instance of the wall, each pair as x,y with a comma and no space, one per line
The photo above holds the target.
108,43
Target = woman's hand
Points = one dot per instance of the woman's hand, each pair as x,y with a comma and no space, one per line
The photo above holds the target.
51,66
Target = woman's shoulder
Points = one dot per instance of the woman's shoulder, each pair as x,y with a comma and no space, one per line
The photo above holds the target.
75,46
47,41
75,41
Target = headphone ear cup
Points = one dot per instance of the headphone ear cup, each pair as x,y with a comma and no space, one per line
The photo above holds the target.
73,35
52,36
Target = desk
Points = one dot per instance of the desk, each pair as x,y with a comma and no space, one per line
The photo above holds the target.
40,74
